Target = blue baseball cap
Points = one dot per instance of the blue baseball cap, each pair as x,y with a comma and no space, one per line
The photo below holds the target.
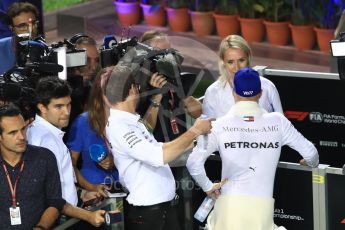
247,82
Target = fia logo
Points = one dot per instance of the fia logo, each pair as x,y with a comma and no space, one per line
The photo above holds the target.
315,117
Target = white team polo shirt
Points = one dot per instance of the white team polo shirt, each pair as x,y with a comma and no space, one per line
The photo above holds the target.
139,160
249,141
42,133
219,99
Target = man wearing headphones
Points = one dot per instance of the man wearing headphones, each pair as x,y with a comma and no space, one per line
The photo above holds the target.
81,77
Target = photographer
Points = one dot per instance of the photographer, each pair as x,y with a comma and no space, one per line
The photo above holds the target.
22,18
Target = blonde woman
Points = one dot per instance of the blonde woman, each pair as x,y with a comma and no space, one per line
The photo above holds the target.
235,54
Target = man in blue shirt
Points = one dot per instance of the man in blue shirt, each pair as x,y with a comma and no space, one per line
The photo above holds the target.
23,19
7,54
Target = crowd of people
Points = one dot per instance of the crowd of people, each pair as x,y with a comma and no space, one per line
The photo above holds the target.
48,172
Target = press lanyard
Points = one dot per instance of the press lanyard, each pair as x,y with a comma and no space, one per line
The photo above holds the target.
13,189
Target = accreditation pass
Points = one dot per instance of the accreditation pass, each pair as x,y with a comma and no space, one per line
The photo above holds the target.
15,216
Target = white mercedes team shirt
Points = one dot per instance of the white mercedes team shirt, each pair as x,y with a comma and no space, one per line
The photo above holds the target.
139,160
249,141
219,99
44,134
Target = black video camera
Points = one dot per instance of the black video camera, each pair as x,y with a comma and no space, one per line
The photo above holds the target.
42,60
17,88
142,59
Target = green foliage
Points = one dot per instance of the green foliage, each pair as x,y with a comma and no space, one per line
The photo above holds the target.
328,12
303,12
276,10
177,3
227,7
251,8
52,5
202,5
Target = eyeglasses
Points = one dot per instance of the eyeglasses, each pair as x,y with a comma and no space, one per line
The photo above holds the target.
25,26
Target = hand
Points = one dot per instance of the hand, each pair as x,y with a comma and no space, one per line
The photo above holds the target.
97,218
97,192
215,191
193,106
303,162
157,80
87,195
100,190
202,126
107,163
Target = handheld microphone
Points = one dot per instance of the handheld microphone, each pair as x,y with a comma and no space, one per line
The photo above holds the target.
109,41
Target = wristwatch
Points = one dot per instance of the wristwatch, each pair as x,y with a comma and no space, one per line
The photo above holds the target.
155,104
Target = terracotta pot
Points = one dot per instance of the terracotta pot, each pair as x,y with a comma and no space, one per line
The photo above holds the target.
153,18
323,37
226,24
278,33
202,22
253,29
178,19
128,13
303,36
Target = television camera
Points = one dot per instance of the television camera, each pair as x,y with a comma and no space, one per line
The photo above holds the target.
35,59
143,60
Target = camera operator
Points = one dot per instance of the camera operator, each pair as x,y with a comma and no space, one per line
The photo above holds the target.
172,108
81,78
168,128
22,18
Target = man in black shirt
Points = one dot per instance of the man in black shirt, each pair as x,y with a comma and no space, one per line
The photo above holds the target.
30,188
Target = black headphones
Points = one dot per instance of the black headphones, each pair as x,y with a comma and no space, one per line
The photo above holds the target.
76,37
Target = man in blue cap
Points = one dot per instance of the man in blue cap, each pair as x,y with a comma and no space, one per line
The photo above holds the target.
249,140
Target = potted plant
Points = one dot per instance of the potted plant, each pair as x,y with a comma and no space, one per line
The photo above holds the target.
251,20
328,12
302,24
154,12
277,14
177,12
128,11
201,13
226,17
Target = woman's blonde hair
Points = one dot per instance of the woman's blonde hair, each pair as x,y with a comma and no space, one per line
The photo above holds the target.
232,41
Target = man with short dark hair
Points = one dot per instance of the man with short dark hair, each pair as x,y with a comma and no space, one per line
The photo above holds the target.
54,105
249,140
30,188
22,19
